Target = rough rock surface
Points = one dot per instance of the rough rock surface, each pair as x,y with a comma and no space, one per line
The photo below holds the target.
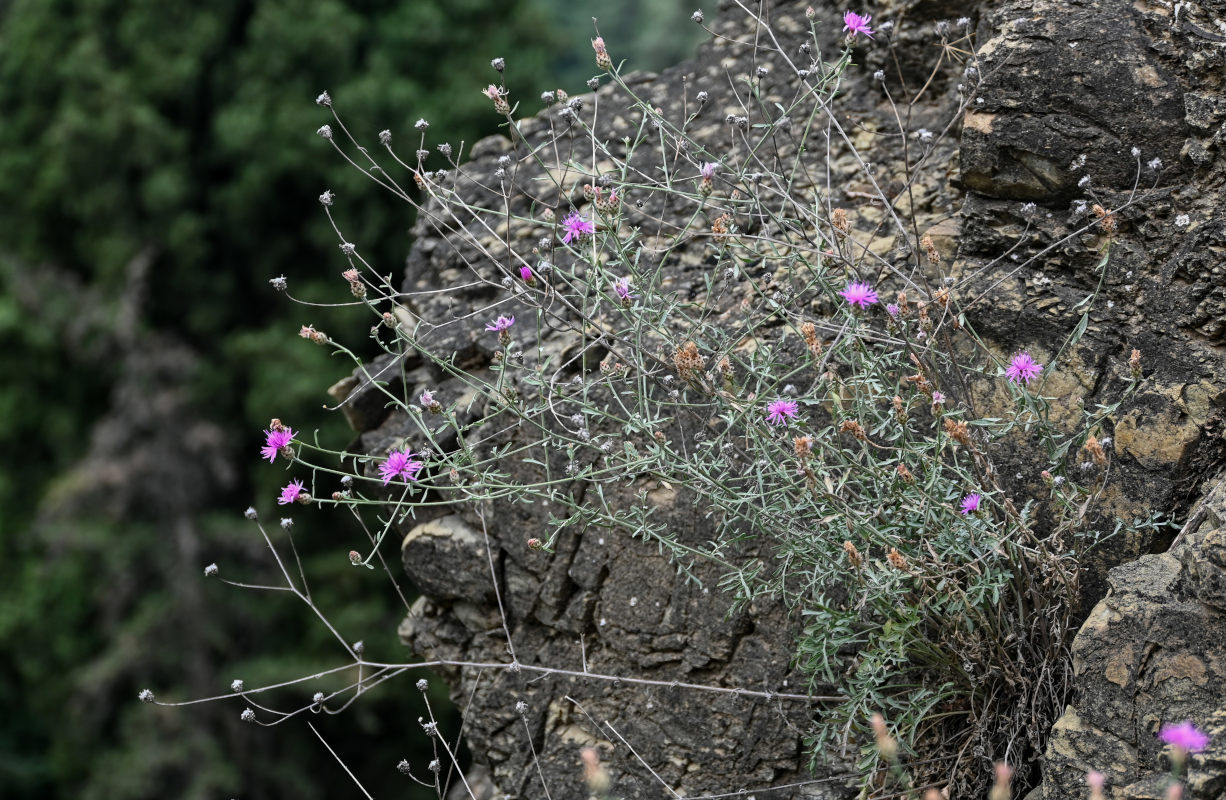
1056,81
1152,652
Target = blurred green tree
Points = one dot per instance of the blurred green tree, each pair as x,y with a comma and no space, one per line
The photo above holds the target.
159,164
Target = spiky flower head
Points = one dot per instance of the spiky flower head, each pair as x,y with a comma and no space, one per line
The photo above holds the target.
778,412
1023,368
853,23
292,493
576,227
970,504
276,441
400,464
501,324
1184,735
859,294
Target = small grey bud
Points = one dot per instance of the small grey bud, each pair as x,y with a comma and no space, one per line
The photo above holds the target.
422,684
697,17
287,523
145,696
210,570
325,131
327,198
499,64
236,685
324,99
348,248
593,83
403,767
421,125
247,716
385,138
250,512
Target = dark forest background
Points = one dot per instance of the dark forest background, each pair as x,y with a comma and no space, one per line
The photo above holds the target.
158,165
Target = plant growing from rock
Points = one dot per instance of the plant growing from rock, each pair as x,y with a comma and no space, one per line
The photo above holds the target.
683,301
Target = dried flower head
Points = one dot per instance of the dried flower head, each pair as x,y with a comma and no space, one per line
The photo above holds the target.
853,555
958,431
809,331
1094,449
854,428
840,221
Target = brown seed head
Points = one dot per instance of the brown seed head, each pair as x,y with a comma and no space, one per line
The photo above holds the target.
930,250
838,218
853,555
958,431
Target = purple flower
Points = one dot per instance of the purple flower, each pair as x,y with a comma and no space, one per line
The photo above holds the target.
525,274
290,493
426,398
853,23
707,170
501,324
1185,736
938,399
893,310
1023,368
778,412
400,464
622,287
859,294
274,442
970,504
576,227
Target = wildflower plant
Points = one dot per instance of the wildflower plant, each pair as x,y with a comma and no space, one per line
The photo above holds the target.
854,440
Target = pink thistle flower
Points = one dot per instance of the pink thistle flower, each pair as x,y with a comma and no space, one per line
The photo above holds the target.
576,227
400,464
707,170
492,92
859,294
275,442
1023,368
970,504
938,399
893,310
622,287
291,493
426,398
525,274
853,23
501,324
778,412
1184,736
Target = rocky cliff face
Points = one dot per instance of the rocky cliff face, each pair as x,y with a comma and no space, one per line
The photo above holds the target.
1063,90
